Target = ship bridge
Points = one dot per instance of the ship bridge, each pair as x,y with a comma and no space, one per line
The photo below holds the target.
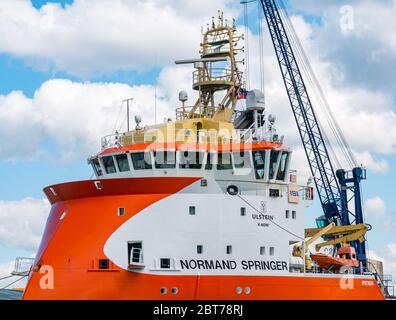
210,137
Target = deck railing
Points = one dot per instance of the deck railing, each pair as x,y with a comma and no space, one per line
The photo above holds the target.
203,137
23,266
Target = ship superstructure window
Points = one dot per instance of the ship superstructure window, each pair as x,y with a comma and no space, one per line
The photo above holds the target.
287,214
282,166
224,161
273,163
135,252
262,251
109,164
199,249
121,212
165,159
259,163
141,160
104,264
191,210
243,211
229,250
242,159
271,251
191,160
122,162
294,214
165,263
274,193
96,166
210,160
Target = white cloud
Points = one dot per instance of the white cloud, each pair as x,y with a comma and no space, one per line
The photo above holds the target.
77,39
366,159
90,37
375,207
51,115
73,115
366,116
22,222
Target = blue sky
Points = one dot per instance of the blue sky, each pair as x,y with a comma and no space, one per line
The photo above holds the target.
24,175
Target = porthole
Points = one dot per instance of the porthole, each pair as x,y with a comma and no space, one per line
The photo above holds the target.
174,290
232,190
163,290
247,290
238,290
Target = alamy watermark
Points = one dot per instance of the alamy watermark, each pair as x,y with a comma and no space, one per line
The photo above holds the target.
347,20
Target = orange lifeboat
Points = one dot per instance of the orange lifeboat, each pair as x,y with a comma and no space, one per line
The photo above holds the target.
346,257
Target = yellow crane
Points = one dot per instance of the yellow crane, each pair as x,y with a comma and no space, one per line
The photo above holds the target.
335,234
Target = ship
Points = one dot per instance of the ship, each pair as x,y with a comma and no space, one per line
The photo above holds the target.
203,207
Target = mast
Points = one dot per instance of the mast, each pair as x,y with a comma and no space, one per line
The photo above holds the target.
216,71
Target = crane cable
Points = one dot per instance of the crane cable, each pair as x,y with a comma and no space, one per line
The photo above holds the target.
302,65
247,53
303,62
320,97
261,47
8,285
118,117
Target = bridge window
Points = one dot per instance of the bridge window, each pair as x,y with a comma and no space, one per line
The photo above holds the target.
192,210
273,163
242,159
294,214
262,251
224,161
109,164
165,159
243,211
287,214
272,251
97,168
229,249
141,160
191,160
259,163
122,162
199,249
282,166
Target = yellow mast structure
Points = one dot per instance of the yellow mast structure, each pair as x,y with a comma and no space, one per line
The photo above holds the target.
220,45
218,81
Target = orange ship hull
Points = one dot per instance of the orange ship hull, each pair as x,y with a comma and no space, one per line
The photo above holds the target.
81,220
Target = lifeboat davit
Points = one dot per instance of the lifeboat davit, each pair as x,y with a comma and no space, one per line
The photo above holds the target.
346,257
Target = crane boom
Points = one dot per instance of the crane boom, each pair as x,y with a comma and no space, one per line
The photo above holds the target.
331,186
314,144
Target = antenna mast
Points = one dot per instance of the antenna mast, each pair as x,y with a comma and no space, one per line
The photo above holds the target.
127,101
